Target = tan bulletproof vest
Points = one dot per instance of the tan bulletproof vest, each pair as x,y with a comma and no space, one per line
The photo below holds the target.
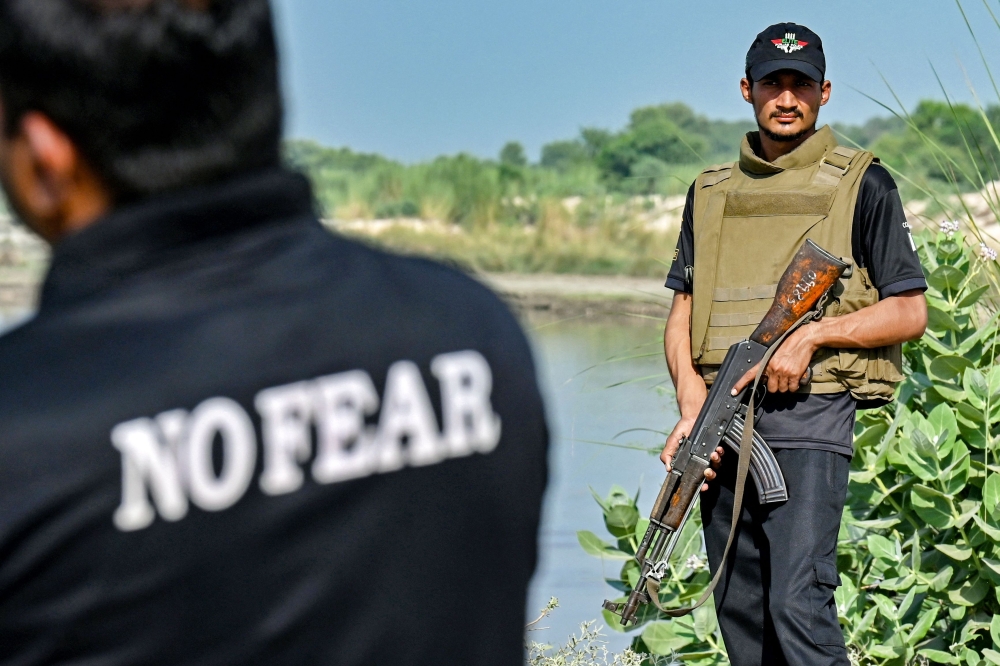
750,218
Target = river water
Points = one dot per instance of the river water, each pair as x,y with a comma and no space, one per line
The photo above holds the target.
599,378
586,406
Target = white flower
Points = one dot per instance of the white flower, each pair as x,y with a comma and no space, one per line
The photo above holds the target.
987,253
949,228
695,562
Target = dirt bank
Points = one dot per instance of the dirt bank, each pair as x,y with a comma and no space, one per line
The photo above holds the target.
539,296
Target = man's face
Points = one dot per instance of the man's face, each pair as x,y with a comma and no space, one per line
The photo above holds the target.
786,103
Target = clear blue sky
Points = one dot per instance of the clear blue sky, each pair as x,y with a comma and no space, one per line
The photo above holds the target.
412,79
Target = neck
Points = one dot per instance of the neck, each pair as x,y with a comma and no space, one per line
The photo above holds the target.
770,149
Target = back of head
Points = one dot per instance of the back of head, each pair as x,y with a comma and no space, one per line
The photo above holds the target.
156,94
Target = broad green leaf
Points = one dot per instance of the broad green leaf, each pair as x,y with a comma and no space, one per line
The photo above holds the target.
950,392
992,531
922,626
933,508
898,583
973,415
975,387
991,569
885,607
886,651
995,629
923,445
972,657
870,436
942,578
884,549
937,346
966,510
593,545
991,492
956,475
621,520
906,605
973,296
946,278
863,477
939,657
992,656
845,596
959,552
705,622
941,321
943,427
948,367
970,593
971,629
867,621
922,462
663,638
993,381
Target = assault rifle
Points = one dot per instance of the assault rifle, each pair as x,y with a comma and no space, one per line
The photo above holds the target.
800,296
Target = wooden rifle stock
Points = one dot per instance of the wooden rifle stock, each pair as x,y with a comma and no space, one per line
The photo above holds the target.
812,273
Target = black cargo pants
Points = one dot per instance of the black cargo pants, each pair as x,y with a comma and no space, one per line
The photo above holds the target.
775,599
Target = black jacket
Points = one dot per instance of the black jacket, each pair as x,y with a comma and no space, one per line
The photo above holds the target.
162,500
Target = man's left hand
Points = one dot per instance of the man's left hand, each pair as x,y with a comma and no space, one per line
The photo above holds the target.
789,366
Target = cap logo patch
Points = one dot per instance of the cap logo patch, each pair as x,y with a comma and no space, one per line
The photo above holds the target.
789,44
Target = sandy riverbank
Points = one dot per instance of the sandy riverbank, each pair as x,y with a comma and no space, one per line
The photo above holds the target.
541,296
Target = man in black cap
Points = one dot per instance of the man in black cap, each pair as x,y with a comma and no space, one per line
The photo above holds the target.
742,223
229,436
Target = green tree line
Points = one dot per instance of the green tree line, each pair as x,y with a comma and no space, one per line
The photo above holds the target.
659,151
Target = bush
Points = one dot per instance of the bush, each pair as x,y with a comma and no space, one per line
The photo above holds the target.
919,546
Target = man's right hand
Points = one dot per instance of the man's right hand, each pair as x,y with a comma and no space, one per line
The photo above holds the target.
682,429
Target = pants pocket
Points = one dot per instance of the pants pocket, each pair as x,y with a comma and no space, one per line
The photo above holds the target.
825,626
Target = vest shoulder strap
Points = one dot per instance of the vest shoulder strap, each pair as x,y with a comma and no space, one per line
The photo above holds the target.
835,165
715,174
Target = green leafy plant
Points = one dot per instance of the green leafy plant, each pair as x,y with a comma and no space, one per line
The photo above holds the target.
694,639
919,545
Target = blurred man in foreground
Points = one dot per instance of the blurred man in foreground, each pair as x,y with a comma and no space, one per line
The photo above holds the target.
228,436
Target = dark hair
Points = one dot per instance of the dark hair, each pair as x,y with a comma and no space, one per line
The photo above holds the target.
156,94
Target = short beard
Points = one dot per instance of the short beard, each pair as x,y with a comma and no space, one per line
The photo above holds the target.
784,138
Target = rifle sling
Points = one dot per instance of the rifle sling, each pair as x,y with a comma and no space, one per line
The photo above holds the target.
743,466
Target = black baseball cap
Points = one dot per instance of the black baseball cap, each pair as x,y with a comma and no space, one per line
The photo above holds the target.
786,46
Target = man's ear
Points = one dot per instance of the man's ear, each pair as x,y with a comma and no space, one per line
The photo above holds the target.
825,89
53,158
54,188
747,90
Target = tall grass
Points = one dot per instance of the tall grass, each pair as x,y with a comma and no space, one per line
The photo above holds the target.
597,237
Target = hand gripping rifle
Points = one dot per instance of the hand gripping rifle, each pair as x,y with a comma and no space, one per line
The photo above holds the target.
800,296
